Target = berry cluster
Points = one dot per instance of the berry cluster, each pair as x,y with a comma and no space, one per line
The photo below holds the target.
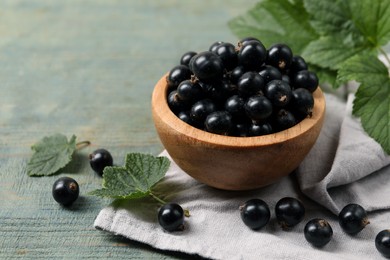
243,90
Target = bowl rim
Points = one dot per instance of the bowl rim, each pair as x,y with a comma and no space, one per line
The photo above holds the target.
161,109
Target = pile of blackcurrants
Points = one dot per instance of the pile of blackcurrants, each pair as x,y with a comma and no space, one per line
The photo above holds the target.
243,90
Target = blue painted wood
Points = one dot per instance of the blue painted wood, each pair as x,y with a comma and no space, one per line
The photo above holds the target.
86,68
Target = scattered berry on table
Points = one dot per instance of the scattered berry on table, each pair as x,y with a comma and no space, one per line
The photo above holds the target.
171,217
65,191
255,213
318,232
382,242
99,159
289,212
353,218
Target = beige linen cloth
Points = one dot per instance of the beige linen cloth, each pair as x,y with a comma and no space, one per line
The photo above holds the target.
345,166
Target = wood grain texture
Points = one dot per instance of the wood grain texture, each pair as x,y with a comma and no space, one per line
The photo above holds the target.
86,68
235,163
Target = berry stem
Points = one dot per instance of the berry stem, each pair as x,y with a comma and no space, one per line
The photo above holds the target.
82,144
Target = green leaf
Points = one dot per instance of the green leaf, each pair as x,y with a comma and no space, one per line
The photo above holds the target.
135,180
51,154
274,21
372,101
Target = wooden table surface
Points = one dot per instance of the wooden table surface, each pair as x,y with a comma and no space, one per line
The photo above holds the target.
86,68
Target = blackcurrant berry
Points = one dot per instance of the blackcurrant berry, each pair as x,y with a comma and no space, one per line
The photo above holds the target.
382,242
171,217
260,129
297,64
201,109
235,106
278,92
252,55
302,102
289,212
185,117
318,232
175,103
177,74
214,46
220,91
251,83
247,39
236,74
207,66
227,52
258,108
353,218
284,119
286,78
100,159
280,56
186,57
189,90
255,213
270,73
65,191
219,122
306,79
240,129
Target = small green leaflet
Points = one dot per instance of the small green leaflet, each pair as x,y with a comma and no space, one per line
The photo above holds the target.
51,154
372,102
135,179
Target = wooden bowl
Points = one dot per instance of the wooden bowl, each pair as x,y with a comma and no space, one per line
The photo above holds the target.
234,163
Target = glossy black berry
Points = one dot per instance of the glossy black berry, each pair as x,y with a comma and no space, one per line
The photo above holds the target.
297,64
255,213
382,242
201,109
240,129
318,232
270,73
171,217
227,52
220,91
214,46
235,106
100,159
306,79
278,92
286,78
185,117
353,218
189,90
65,191
251,83
207,66
177,74
247,39
219,122
252,55
186,57
280,56
284,119
289,212
236,74
258,108
258,129
175,103
302,102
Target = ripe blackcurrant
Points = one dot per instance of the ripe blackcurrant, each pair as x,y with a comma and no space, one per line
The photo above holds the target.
207,66
189,90
99,159
251,83
240,129
260,129
297,64
175,103
65,191
270,73
353,218
289,212
186,57
305,79
220,91
382,242
235,106
258,108
318,232
284,119
227,52
302,102
177,74
185,117
201,109
247,39
255,213
236,74
279,56
252,55
278,92
171,217
214,46
219,122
